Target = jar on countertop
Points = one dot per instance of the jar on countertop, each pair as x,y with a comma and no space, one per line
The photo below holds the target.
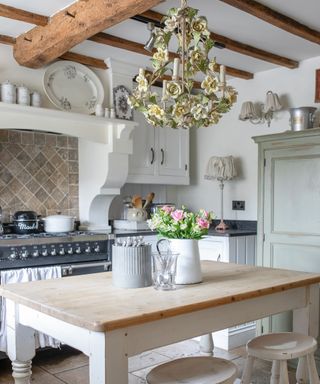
8,92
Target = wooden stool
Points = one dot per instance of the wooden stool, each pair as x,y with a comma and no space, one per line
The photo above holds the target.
192,370
278,348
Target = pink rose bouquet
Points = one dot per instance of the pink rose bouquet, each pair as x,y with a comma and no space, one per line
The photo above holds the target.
180,223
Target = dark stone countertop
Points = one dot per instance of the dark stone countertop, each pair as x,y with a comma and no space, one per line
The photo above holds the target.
237,228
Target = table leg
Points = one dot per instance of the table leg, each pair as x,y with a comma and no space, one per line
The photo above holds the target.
20,344
206,344
306,320
108,358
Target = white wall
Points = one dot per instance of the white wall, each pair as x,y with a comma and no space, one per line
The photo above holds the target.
296,88
230,137
32,78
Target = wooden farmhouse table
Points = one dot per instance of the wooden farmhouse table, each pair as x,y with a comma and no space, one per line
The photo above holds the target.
110,324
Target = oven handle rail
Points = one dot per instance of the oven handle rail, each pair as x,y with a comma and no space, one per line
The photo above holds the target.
84,268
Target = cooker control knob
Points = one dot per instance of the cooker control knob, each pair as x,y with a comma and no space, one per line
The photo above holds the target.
97,248
44,252
53,252
78,250
35,253
24,254
70,251
87,249
13,255
61,251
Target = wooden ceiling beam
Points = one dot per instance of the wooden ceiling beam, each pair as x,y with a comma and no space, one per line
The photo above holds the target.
82,59
275,18
71,26
85,60
118,42
257,53
237,46
20,14
8,40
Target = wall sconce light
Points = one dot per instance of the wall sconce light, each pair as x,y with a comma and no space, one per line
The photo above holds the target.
152,39
265,112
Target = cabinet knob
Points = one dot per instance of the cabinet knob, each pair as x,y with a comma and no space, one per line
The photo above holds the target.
152,155
162,156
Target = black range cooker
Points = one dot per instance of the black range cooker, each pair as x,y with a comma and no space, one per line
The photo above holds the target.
78,252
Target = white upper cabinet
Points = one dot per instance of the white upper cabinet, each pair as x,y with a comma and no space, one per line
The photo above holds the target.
160,155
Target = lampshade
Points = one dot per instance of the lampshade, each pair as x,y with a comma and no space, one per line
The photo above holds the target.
272,103
247,111
221,168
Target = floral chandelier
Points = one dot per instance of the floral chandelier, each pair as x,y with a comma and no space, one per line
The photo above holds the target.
178,106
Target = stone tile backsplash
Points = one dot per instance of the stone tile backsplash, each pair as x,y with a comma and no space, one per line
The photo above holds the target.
38,172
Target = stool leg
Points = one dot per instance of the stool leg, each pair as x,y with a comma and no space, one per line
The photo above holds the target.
247,370
284,377
312,369
275,372
302,374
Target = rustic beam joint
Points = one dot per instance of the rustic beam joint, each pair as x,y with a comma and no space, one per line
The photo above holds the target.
63,33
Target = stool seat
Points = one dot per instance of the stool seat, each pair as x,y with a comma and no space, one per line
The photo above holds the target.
192,370
281,346
278,348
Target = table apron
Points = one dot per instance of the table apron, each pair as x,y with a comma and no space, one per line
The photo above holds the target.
138,338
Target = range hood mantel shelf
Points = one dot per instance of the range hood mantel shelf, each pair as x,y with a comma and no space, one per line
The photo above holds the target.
92,128
104,149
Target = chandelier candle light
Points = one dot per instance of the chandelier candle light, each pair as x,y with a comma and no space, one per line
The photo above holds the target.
180,105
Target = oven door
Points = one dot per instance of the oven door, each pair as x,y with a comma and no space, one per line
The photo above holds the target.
85,268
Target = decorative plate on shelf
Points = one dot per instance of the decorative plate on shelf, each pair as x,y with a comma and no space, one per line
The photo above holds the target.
121,106
73,87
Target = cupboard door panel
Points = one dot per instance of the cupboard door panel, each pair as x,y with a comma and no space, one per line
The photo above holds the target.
173,152
143,159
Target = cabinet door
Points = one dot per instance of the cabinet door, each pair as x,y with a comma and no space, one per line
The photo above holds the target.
173,152
142,161
291,214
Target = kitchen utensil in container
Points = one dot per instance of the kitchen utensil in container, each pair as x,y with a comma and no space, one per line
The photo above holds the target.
302,118
148,201
25,222
58,223
137,201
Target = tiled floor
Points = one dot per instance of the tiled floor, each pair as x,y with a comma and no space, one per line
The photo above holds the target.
68,366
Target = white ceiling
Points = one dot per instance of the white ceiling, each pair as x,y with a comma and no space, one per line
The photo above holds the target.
222,18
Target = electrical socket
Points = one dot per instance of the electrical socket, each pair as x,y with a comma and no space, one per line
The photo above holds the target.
238,205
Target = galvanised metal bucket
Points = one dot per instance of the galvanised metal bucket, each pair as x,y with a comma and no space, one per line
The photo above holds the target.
302,118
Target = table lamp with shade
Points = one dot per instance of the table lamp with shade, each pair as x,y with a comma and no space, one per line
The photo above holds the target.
221,168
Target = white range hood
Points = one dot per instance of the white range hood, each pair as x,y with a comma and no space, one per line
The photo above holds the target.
104,149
